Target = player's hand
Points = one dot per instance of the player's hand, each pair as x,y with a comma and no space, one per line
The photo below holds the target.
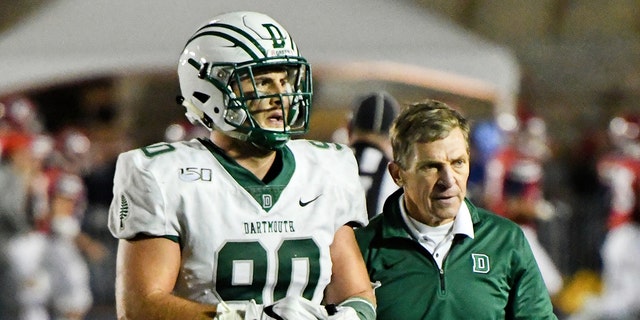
354,308
239,310
344,313
296,308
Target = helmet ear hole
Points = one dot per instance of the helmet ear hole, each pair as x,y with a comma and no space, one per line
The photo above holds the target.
202,97
207,121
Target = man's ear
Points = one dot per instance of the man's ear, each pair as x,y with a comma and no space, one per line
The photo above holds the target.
394,171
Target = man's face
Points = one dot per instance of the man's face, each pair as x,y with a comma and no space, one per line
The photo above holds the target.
269,112
435,183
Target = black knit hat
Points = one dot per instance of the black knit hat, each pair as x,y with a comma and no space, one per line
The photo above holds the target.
375,113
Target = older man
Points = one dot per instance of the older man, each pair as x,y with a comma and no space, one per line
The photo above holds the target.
435,254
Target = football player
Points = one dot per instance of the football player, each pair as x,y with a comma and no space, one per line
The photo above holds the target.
619,172
247,223
514,188
619,169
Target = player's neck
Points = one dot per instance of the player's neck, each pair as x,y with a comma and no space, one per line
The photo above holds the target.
257,160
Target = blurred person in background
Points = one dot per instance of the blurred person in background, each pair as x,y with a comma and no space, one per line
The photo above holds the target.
72,151
20,177
368,131
71,155
52,273
614,294
24,283
22,180
619,169
30,286
19,113
71,295
72,158
37,238
23,198
514,189
23,152
486,138
620,278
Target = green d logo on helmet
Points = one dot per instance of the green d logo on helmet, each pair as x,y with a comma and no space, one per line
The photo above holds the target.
235,46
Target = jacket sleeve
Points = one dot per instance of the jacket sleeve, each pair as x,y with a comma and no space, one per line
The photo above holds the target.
529,298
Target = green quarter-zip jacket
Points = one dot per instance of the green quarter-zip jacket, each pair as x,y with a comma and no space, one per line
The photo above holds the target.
492,276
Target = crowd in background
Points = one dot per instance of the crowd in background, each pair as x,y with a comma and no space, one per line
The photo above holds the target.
58,258
581,218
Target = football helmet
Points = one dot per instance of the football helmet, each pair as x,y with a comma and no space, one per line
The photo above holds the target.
20,113
72,150
234,47
624,132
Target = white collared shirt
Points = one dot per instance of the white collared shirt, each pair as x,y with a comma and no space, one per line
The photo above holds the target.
438,240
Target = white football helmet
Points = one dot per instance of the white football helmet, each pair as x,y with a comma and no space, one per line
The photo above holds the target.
233,46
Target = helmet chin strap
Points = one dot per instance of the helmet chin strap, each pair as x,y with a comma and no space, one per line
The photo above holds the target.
259,137
258,140
268,141
236,135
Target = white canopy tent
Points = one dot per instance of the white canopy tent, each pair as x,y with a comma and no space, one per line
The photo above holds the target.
390,40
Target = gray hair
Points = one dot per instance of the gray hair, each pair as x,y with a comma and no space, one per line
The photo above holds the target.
421,122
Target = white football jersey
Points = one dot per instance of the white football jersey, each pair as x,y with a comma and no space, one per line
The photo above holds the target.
239,236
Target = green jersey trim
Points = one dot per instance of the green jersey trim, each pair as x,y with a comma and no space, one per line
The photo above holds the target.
265,193
175,239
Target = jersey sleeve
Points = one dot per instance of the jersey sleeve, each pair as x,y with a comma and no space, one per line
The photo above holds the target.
347,172
138,205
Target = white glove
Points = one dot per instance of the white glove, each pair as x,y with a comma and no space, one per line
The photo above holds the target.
344,313
354,308
296,308
238,310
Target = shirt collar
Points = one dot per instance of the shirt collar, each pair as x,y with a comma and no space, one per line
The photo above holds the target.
461,225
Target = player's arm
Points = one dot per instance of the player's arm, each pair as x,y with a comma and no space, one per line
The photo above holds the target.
349,280
147,269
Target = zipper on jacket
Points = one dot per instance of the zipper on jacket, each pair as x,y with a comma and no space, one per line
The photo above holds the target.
442,289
